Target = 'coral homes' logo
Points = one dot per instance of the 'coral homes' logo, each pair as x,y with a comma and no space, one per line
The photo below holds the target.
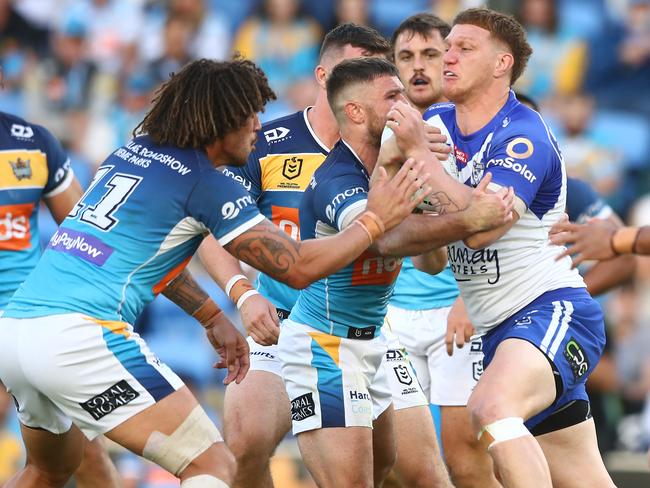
79,244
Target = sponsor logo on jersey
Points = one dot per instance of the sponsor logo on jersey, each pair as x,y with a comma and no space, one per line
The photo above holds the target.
359,395
287,220
360,402
239,179
302,407
516,166
339,198
465,262
403,374
520,148
371,269
292,167
118,395
79,244
477,369
230,210
15,233
461,156
24,132
395,355
21,168
276,135
576,357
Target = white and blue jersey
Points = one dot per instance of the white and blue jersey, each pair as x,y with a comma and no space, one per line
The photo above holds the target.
519,150
351,302
136,227
33,166
514,288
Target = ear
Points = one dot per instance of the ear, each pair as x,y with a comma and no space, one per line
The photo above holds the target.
321,76
504,63
354,112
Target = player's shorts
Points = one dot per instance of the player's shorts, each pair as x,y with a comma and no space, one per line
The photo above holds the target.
403,384
70,368
446,380
332,381
567,326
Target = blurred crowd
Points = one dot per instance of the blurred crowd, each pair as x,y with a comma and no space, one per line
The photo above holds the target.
87,69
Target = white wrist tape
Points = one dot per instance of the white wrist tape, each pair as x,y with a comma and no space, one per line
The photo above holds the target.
232,281
203,481
245,296
503,430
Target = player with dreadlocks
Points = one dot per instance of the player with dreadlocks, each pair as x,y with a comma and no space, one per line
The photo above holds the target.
68,352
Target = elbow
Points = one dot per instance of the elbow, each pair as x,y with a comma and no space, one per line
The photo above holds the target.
476,241
298,280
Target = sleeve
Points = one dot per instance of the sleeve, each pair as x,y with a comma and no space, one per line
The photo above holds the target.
226,213
338,201
523,163
249,176
583,203
60,174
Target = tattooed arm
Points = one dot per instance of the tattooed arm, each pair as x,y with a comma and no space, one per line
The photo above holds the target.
185,292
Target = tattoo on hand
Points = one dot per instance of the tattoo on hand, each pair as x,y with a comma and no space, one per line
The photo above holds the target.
185,292
268,249
442,203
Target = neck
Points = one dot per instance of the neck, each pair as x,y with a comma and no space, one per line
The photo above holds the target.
473,113
366,149
423,108
322,121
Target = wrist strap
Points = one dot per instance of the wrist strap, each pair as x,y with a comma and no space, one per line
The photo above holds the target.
239,289
365,229
246,295
206,312
623,241
371,224
232,281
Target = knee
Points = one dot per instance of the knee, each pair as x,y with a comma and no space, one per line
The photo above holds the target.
484,410
54,477
251,449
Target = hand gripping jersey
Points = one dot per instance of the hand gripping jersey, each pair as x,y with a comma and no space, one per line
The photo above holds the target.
136,227
277,173
519,150
32,166
355,297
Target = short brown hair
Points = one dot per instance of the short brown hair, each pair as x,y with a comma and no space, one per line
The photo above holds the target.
423,24
204,101
355,35
506,29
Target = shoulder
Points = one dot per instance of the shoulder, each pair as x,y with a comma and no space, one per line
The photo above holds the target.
524,132
445,110
276,134
22,131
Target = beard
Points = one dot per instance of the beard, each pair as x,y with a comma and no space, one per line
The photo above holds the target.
376,125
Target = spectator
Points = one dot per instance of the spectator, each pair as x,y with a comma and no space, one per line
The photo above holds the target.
282,40
558,61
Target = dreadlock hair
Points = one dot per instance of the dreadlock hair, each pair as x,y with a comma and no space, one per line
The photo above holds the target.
204,101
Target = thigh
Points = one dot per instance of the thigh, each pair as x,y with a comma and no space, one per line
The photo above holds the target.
53,452
338,457
257,411
573,457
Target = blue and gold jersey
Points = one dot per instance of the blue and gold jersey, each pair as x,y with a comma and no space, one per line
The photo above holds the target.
136,227
276,175
356,296
32,166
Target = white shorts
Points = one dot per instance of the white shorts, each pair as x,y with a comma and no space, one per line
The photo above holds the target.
70,368
404,386
332,381
447,381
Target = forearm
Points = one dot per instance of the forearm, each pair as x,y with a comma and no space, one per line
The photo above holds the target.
185,292
419,234
297,263
218,262
432,262
605,275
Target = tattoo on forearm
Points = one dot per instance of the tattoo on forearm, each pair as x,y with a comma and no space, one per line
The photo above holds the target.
185,292
442,203
270,250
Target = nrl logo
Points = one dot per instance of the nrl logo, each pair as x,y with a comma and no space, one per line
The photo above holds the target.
21,168
292,168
